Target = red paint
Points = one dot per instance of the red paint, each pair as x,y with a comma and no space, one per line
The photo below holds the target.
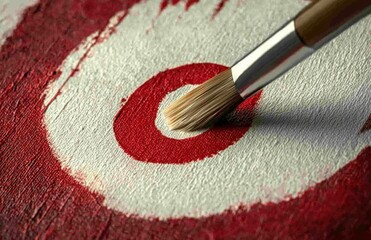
174,2
219,7
165,3
40,200
189,3
96,40
139,136
75,70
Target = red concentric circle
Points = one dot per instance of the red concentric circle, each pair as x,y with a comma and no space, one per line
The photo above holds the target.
138,135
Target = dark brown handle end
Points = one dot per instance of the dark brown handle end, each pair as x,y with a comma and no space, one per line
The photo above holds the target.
322,17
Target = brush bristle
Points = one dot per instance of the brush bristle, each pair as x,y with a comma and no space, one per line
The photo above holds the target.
203,105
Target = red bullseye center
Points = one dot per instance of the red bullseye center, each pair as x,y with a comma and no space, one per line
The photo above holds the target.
139,137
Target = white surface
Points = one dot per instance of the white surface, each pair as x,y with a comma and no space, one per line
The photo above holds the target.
10,14
307,126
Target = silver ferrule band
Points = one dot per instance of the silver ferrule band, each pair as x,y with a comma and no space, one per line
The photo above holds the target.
269,60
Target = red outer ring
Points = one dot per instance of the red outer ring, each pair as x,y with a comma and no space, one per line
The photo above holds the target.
138,135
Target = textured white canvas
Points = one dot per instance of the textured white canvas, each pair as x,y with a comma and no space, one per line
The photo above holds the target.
306,128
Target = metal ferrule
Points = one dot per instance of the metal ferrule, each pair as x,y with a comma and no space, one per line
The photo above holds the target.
269,60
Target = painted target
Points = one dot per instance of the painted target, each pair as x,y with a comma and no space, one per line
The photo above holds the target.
87,153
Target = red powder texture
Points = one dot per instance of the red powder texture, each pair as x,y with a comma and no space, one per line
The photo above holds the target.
40,200
140,138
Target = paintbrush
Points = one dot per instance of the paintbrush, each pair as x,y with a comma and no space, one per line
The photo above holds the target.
314,26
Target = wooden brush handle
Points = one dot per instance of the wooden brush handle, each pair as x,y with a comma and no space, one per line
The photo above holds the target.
323,17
